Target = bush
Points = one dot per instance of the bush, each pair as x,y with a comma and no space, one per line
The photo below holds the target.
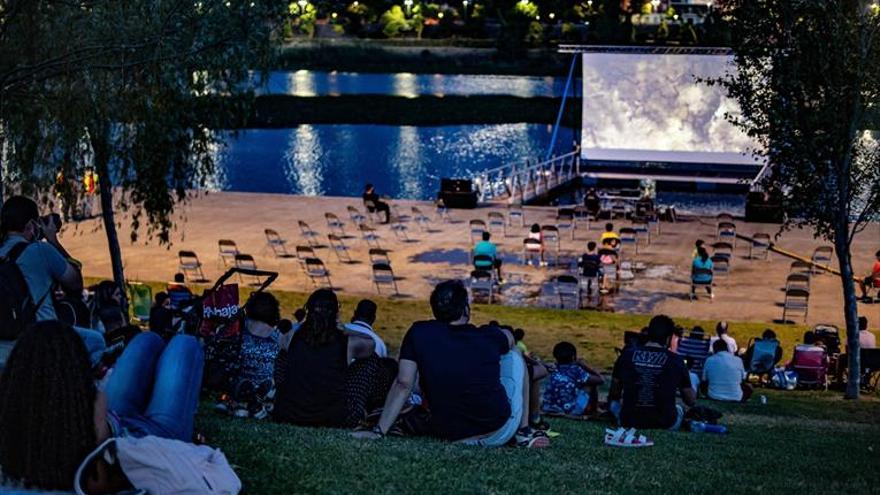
394,22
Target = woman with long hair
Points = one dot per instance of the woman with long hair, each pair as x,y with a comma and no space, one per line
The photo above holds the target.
108,314
52,414
331,377
701,272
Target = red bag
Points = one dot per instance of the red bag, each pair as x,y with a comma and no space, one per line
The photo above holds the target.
220,313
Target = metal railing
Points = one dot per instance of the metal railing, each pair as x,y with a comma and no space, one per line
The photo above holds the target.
519,183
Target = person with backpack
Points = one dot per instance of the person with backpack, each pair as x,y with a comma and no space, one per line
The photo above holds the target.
32,263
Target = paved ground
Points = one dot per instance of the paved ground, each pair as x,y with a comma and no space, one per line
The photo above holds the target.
753,290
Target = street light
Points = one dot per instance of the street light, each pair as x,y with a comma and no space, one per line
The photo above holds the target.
464,4
655,4
408,4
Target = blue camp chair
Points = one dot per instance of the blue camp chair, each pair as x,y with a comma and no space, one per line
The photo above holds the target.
763,356
694,348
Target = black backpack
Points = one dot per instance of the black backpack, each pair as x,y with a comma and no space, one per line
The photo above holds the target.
17,308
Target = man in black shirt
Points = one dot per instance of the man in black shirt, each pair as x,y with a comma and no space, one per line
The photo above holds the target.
374,204
647,379
473,379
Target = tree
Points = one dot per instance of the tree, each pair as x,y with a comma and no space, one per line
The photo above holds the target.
808,78
140,116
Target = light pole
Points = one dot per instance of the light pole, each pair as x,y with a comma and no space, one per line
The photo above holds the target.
408,4
464,3
655,4
302,6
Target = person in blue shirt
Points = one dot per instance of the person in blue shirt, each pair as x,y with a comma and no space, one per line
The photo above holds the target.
701,272
487,248
572,387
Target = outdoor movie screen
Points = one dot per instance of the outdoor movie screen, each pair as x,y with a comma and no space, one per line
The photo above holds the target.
640,107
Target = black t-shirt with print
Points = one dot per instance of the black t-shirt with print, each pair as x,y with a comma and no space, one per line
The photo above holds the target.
651,378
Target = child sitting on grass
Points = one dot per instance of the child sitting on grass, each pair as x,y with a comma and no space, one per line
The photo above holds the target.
572,386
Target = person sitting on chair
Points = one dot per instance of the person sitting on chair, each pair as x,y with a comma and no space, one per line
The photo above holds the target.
701,273
592,203
767,335
610,238
591,265
179,294
871,280
487,248
867,340
378,206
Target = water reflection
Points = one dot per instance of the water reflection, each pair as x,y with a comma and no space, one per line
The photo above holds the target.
304,164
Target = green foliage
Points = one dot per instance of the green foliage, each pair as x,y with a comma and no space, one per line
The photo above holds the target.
647,8
526,9
303,17
535,35
394,22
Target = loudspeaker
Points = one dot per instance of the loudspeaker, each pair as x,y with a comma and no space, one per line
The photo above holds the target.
456,185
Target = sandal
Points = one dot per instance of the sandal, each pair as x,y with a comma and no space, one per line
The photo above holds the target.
623,437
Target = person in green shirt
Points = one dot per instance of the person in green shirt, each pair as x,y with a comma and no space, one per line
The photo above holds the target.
487,248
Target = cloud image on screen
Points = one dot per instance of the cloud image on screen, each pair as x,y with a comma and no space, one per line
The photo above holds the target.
651,107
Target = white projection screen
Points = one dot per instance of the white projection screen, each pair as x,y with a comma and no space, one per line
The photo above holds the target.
640,107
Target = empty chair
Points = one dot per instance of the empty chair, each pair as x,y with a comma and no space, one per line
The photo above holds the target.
515,215
246,262
643,230
337,244
400,230
726,231
303,253
629,237
276,243
356,217
318,273
654,222
720,264
476,229
188,263
552,240
334,224
723,249
619,209
568,289
373,213
497,220
581,218
422,220
797,281
695,349
369,236
822,256
724,217
378,255
384,275
482,285
398,216
227,251
442,211
811,365
797,302
798,266
565,222
307,233
760,246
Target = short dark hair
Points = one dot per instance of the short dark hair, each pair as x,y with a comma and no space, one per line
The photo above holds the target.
719,345
519,334
160,298
660,329
877,254
535,228
565,353
263,307
809,337
179,278
699,243
768,334
284,326
863,323
609,227
591,246
15,214
449,301
486,235
299,314
721,328
365,311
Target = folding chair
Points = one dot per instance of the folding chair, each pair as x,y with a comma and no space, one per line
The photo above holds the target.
188,263
398,216
822,255
763,357
643,231
496,219
726,231
484,262
307,233
798,266
372,213
477,227
317,272
811,366
760,246
442,211
629,237
724,217
303,253
276,243
515,212
334,224
482,284
723,249
797,281
400,230
378,255
338,246
369,236
568,288
565,221
141,298
384,275
581,218
552,238
695,348
356,217
227,251
720,264
531,250
797,301
422,220
619,209
246,262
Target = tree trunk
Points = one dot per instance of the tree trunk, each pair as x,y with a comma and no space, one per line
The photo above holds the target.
851,312
105,184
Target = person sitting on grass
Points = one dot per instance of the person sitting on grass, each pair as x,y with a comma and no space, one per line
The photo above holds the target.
487,248
609,238
518,335
331,377
254,387
721,334
473,379
572,388
872,280
362,322
646,380
724,375
701,273
867,339
52,415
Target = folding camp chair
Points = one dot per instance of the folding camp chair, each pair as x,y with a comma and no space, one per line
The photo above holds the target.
337,244
384,275
317,272
582,218
307,233
497,220
726,231
482,284
141,298
442,211
369,236
335,225
276,244
188,263
422,220
760,246
568,289
720,265
515,213
378,255
811,366
763,358
798,266
829,335
822,255
476,229
246,262
552,240
356,217
695,349
797,301
798,280
400,230
629,237
565,221
227,251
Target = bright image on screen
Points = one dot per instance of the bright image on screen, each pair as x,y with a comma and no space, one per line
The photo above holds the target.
650,108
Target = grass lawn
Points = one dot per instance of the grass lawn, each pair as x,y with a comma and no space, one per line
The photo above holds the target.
798,442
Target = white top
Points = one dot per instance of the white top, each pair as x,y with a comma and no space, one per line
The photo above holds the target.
867,340
366,329
724,372
731,344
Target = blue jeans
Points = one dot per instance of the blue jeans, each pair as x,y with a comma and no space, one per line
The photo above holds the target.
94,341
154,388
